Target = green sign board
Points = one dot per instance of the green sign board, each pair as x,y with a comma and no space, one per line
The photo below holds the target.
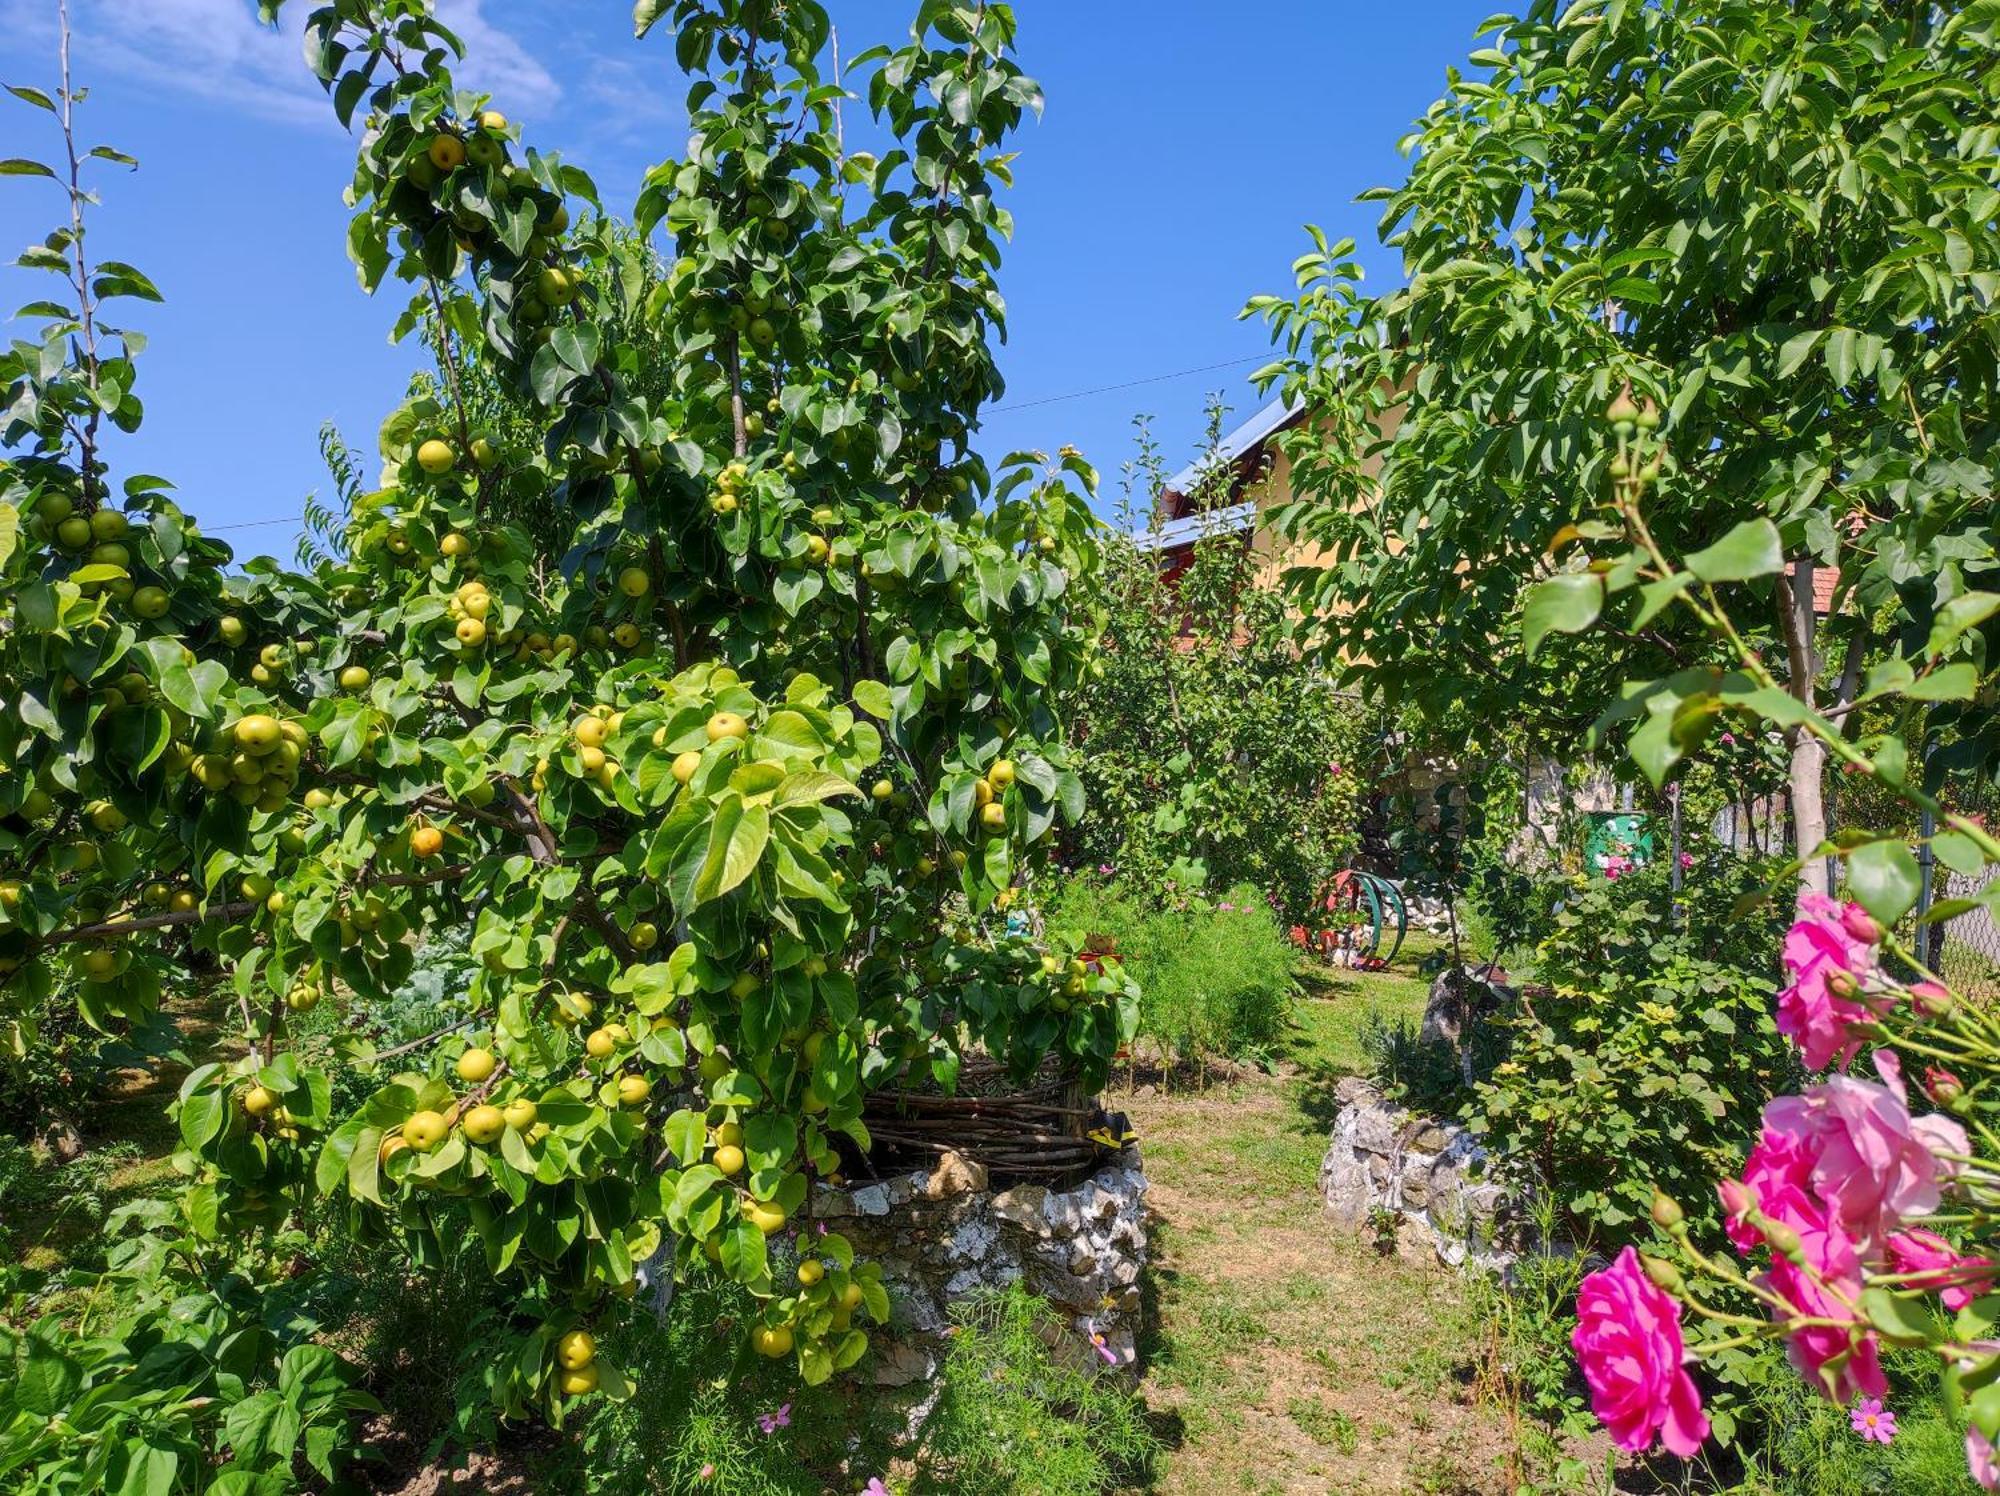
1616,838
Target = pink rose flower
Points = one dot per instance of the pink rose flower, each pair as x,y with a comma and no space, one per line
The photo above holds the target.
1777,1179
1956,1280
1845,1350
1979,1459
1819,945
1874,1165
1628,1342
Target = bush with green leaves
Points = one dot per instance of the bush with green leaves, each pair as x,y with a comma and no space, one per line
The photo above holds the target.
1641,1049
184,1378
1017,1417
1215,973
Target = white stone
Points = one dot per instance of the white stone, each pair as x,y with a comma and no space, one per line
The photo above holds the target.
1426,1174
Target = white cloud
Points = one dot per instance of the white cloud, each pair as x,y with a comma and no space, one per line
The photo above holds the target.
217,50
630,103
496,62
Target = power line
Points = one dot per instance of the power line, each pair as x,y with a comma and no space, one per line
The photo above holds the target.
1103,389
251,524
1130,384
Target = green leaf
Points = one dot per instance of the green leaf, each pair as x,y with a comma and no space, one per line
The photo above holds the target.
873,698
1958,681
1884,878
792,733
1567,604
18,166
769,1139
1958,615
815,1363
151,1470
48,1381
262,1427
745,1253
736,842
1797,350
1958,852
203,1113
1901,1319
809,787
196,689
686,1132
1752,549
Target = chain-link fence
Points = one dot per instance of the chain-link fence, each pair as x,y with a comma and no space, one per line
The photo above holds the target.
1965,949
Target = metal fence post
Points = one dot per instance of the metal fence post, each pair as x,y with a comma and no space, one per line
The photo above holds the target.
1674,810
1928,939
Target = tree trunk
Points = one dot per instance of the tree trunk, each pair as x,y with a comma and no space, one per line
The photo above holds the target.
1808,783
1809,756
1808,766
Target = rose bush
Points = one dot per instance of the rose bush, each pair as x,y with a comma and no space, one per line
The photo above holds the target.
1861,1220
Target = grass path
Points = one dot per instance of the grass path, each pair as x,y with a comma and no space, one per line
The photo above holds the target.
1288,1357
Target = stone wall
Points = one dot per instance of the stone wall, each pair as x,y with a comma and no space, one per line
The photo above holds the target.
1387,1163
943,1234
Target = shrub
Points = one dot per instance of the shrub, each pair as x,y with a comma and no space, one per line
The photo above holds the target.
1642,1051
1425,1077
1215,974
189,1380
1791,1441
1015,1419
1775,1436
699,1407
1011,1415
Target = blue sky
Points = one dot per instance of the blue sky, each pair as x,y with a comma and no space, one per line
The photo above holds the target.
1184,147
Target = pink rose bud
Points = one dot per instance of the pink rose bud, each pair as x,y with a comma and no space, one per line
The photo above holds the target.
1861,924
1942,1086
1738,1199
1664,1274
1842,985
1932,998
1667,1212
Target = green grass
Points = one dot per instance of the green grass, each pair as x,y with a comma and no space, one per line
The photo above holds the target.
1342,1003
1323,1425
1288,1355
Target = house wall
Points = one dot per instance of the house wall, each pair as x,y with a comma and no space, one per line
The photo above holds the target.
1274,554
